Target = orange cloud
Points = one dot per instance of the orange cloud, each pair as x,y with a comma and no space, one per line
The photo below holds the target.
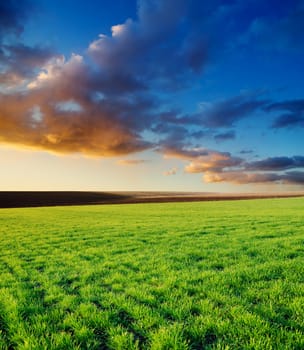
39,116
223,167
131,161
213,162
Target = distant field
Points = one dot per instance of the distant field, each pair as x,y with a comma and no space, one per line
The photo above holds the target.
22,199
204,275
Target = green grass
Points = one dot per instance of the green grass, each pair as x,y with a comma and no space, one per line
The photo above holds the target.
208,275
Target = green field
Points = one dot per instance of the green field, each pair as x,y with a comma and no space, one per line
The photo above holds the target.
207,275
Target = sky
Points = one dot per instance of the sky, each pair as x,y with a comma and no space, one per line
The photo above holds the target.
159,95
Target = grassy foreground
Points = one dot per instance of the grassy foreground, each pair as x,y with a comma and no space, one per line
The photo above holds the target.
212,275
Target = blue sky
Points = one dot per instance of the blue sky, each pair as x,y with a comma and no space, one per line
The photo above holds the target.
152,95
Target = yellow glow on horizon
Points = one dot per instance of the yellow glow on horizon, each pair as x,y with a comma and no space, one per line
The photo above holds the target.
23,169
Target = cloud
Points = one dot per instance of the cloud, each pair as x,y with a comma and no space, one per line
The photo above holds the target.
289,120
226,113
92,131
172,171
170,151
65,106
294,178
141,51
269,170
213,162
223,113
277,163
13,14
246,151
292,113
224,136
291,178
19,62
238,177
223,167
116,97
283,30
131,161
99,127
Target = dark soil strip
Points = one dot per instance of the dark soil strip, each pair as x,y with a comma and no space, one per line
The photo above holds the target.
39,199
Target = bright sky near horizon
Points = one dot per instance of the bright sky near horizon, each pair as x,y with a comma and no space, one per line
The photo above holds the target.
171,95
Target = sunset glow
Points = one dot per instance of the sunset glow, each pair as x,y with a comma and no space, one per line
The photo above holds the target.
169,95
